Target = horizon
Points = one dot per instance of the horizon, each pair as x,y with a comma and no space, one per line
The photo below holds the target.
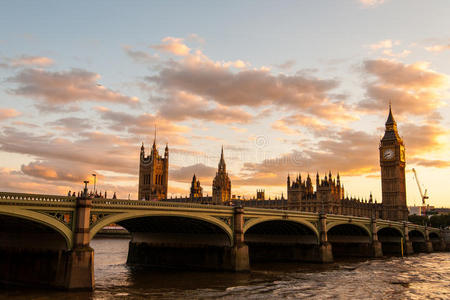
301,88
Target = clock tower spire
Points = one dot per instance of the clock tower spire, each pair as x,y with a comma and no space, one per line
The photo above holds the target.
392,163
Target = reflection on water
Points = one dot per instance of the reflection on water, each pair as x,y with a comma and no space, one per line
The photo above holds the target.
417,277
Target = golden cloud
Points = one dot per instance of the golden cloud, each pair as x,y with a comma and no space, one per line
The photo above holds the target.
6,113
173,45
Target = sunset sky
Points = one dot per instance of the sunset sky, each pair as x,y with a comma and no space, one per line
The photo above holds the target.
285,86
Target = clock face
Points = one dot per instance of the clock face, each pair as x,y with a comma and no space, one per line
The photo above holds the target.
388,154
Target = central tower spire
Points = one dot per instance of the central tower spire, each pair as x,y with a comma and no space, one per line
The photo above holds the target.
222,165
221,186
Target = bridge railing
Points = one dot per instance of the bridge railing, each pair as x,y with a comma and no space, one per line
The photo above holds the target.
143,204
5,196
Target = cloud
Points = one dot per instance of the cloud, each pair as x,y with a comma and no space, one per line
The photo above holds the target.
438,48
183,106
173,45
201,171
423,139
287,124
415,76
27,61
401,54
287,64
412,88
55,171
99,151
143,125
198,76
72,124
193,37
140,56
17,181
384,44
433,163
7,113
371,3
56,88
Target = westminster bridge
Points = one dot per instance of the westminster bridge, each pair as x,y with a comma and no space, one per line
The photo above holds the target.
44,239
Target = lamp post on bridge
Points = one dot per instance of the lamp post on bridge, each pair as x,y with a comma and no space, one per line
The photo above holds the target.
85,188
95,181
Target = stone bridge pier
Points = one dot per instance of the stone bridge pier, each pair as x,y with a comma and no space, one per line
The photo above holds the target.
377,250
79,264
325,250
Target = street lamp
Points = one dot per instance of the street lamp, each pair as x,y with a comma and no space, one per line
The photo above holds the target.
95,181
85,188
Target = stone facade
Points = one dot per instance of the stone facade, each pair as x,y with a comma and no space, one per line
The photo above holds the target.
329,197
153,174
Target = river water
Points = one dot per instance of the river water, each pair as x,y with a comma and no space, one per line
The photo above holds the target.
421,276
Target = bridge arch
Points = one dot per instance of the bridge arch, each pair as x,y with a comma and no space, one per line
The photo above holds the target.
36,217
349,239
302,222
434,235
391,240
416,234
279,239
340,223
418,240
395,228
121,217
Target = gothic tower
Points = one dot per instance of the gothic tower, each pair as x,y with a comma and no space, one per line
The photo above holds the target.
392,162
196,188
221,187
153,174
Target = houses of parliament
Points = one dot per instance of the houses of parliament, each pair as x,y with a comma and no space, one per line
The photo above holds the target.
328,196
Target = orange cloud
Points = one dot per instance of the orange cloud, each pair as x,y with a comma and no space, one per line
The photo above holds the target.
437,48
371,3
384,44
25,60
182,106
421,139
413,88
174,46
431,163
6,113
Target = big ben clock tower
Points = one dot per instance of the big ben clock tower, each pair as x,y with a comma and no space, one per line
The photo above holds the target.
392,162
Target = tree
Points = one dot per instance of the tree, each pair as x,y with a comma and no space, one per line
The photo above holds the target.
419,220
440,220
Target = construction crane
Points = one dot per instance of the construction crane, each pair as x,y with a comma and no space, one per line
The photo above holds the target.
423,195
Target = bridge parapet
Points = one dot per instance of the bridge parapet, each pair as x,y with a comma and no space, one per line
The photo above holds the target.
115,203
22,197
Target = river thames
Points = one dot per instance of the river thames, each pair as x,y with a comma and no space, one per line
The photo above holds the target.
421,276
